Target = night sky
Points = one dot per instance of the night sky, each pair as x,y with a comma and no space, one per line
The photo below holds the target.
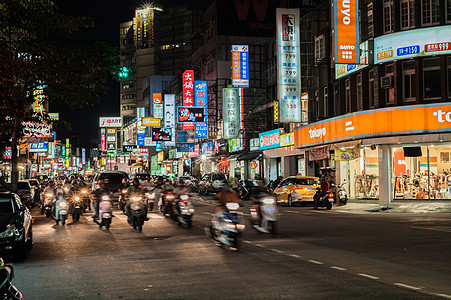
107,16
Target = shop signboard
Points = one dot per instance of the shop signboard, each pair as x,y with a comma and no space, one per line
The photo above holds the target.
110,138
185,147
171,143
403,120
287,139
37,130
110,122
254,144
102,141
188,93
346,25
413,43
144,27
240,66
169,111
270,139
157,101
289,65
182,136
148,141
128,148
161,134
144,152
111,131
319,153
54,116
151,122
140,135
342,70
220,146
160,156
207,148
231,112
347,154
201,131
235,145
186,114
171,154
7,154
39,147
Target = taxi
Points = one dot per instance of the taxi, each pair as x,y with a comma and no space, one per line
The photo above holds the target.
297,189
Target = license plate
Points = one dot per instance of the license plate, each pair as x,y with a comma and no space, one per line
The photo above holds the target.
311,191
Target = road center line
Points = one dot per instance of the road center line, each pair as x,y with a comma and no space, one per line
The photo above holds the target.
415,288
295,256
315,262
444,296
368,276
277,250
338,268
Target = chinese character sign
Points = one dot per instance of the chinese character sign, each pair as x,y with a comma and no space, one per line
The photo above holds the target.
346,14
240,66
169,111
231,112
190,114
188,88
157,106
289,65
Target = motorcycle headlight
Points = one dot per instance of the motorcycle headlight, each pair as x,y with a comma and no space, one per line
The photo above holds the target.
150,195
50,195
232,205
124,191
170,197
66,189
63,204
84,191
136,198
184,197
105,198
240,226
268,201
77,198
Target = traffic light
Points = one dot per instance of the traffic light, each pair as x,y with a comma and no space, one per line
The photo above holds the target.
124,72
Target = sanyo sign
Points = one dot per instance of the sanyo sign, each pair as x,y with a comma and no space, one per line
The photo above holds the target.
442,116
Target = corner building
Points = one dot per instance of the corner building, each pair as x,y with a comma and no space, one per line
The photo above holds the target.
387,129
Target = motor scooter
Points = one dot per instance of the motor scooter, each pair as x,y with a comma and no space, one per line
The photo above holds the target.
323,200
122,200
61,210
165,203
77,208
264,215
227,226
105,212
137,212
7,290
150,198
48,204
84,195
183,210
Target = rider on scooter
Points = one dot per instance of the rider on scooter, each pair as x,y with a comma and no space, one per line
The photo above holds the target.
98,193
134,189
50,189
325,187
257,197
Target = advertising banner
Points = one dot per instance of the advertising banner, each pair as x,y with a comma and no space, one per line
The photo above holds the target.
140,135
240,66
319,153
160,156
413,43
39,147
235,145
38,130
231,112
128,148
54,116
192,114
347,154
143,152
200,99
270,139
161,134
148,141
144,27
207,148
404,120
346,22
188,88
201,131
151,122
169,111
287,139
111,131
289,65
182,136
342,70
110,122
157,101
185,147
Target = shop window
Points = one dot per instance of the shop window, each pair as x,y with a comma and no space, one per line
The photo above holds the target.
326,100
430,12
370,20
388,15
371,89
348,95
445,157
408,73
390,91
448,11
407,9
359,92
432,82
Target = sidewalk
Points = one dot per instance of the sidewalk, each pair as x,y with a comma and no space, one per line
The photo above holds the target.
371,206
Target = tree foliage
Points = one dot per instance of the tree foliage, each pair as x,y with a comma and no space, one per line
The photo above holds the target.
37,47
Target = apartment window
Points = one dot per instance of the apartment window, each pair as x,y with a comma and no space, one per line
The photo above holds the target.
326,100
359,93
407,14
388,12
431,75
430,12
448,11
371,89
370,19
449,76
389,91
408,76
348,95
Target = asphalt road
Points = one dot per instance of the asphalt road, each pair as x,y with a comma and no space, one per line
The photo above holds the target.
317,255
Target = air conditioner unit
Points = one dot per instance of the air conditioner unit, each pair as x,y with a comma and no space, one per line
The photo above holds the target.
386,82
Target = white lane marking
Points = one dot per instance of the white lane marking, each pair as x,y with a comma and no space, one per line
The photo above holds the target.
295,256
444,296
259,245
248,242
338,268
441,229
207,213
368,276
415,288
315,262
155,216
121,217
276,250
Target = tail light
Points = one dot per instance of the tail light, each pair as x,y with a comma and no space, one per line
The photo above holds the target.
185,201
331,195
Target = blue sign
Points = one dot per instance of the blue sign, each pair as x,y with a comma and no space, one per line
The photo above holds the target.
159,146
185,147
408,50
244,65
182,136
270,139
140,136
201,131
39,147
207,148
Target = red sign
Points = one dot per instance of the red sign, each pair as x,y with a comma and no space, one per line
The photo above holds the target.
188,88
319,153
436,47
143,152
102,143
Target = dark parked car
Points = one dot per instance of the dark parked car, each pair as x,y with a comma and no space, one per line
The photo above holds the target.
26,193
16,235
212,183
113,181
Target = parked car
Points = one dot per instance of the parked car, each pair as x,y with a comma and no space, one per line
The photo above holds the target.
113,181
297,189
212,183
36,186
189,181
16,235
26,193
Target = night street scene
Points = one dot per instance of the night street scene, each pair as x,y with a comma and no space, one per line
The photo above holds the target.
225,149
